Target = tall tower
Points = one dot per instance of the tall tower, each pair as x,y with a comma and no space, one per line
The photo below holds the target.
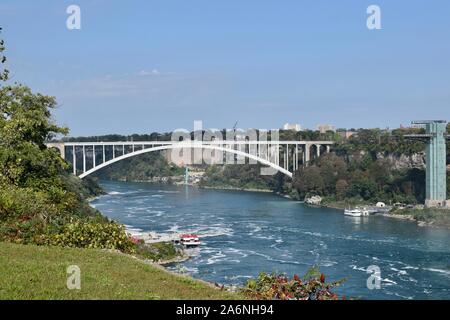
436,156
436,184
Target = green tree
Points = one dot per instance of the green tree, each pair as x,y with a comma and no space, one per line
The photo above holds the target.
364,188
332,168
3,72
380,172
25,124
38,198
341,188
309,180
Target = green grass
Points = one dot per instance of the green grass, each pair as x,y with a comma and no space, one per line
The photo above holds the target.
39,272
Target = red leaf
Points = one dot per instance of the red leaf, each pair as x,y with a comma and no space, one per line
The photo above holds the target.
322,278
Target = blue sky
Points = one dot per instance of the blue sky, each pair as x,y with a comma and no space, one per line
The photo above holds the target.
143,66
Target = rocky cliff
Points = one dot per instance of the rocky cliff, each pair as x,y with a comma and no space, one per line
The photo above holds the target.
399,162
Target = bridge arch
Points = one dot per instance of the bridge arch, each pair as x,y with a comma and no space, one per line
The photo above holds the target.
185,146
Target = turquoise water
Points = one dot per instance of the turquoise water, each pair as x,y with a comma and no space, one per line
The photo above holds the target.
244,233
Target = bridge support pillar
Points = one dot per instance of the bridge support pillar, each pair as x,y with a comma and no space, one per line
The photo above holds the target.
93,156
296,158
84,159
306,156
74,160
60,146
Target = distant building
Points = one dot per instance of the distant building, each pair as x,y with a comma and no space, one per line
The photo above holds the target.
322,128
346,134
292,126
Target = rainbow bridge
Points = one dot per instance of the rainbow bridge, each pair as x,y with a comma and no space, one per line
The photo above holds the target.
88,157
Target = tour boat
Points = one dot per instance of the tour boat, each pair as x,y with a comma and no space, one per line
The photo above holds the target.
189,240
357,212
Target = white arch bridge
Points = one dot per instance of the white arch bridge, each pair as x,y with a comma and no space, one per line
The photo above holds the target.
88,157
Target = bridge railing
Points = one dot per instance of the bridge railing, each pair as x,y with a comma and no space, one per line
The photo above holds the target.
90,155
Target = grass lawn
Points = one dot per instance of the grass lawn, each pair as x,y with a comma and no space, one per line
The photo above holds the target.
39,272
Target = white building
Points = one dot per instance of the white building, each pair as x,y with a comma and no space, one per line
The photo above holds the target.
292,126
322,128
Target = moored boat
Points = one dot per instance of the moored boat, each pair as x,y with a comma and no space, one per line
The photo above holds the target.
189,240
356,212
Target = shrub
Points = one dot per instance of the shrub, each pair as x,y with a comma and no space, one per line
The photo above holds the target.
91,234
280,287
24,203
24,230
157,251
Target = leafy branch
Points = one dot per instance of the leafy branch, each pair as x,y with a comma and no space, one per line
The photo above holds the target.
3,72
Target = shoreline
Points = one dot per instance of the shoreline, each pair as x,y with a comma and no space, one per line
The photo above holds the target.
402,217
334,206
236,189
177,259
161,266
196,185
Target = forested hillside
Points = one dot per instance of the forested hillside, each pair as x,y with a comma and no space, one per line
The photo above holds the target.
144,167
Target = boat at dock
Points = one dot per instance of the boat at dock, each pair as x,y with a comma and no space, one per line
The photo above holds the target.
357,212
186,240
189,240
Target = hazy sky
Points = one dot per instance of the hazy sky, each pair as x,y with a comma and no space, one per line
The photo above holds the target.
143,66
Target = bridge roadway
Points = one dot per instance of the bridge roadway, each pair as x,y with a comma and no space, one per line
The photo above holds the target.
102,154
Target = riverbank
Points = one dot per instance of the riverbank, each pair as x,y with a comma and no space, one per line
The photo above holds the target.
179,180
39,272
237,189
424,217
427,217
161,252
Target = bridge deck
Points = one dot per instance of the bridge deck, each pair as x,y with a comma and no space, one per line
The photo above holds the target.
215,142
265,152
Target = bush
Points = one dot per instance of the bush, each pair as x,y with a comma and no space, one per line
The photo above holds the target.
24,230
157,251
279,287
91,234
24,203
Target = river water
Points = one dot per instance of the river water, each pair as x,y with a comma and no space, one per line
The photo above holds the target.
244,233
